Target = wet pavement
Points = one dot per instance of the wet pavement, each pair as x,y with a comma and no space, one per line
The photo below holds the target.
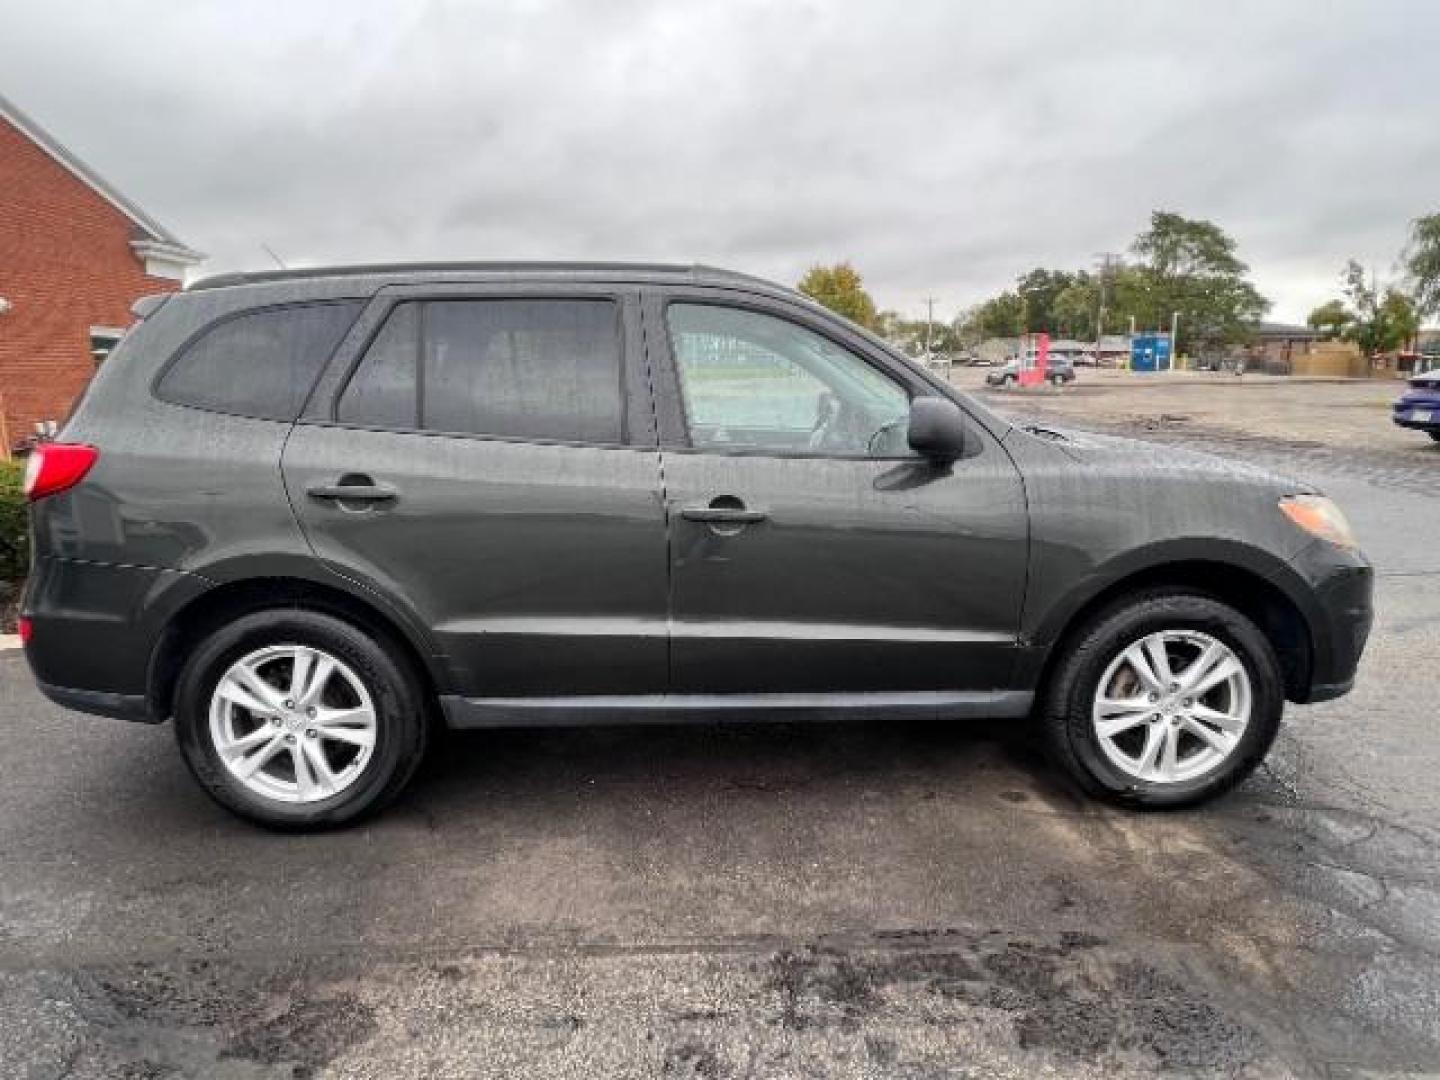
880,899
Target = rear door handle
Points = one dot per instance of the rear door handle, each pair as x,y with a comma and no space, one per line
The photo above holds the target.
352,489
723,511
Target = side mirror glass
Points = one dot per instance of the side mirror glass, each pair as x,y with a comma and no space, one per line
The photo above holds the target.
937,428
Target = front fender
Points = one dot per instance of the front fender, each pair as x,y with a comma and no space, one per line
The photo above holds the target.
1048,617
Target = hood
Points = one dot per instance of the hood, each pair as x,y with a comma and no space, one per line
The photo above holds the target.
1114,453
1423,388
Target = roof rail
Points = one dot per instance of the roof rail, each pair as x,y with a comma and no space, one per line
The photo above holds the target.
220,281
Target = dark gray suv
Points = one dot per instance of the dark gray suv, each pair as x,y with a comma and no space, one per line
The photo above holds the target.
312,515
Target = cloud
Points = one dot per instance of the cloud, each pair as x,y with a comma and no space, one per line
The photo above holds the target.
944,148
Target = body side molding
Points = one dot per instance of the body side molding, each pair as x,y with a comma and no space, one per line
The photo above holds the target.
461,712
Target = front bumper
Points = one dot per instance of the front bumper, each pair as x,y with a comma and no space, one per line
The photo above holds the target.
1342,589
1417,412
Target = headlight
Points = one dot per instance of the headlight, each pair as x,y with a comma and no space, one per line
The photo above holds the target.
1320,517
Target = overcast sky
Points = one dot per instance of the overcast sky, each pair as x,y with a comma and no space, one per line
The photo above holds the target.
942,147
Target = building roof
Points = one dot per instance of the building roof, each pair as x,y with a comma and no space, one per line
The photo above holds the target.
1285,330
153,239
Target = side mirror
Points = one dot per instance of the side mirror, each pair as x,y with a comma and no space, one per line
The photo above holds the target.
937,428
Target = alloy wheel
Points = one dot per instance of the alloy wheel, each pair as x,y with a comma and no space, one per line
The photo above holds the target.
293,723
1172,707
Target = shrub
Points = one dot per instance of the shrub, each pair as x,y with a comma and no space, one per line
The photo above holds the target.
14,534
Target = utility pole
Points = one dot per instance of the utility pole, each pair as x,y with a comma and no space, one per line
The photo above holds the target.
929,322
1108,261
1174,329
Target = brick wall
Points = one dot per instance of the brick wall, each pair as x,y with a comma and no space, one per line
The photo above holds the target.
65,266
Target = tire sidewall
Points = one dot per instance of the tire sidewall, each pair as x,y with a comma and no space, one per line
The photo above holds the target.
1118,630
398,723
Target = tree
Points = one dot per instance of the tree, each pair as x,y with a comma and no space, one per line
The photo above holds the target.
1179,247
1399,319
1077,306
1000,316
1183,265
1422,264
840,289
1189,266
888,325
1039,290
1331,319
1132,299
1381,320
911,335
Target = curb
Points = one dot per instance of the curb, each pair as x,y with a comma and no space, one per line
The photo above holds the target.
9,641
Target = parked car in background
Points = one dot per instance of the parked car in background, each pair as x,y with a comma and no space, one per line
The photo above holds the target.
1419,407
1058,372
940,364
310,516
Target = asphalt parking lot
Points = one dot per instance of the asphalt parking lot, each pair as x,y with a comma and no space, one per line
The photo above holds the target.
902,899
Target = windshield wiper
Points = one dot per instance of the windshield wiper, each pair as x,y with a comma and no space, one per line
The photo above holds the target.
1046,433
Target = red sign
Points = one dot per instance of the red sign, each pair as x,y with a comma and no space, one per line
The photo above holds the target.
1034,359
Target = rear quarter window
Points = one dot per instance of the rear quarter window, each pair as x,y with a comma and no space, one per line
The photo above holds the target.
261,363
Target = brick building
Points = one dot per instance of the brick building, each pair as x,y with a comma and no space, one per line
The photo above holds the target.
74,255
1279,347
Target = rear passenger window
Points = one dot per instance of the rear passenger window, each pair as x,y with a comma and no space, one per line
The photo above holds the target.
526,369
262,363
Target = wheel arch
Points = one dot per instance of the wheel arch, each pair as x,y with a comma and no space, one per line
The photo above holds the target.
1273,605
230,599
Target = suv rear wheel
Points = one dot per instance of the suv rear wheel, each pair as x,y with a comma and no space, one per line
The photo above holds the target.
297,719
1165,700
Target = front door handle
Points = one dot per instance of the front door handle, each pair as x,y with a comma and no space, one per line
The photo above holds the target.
352,488
725,510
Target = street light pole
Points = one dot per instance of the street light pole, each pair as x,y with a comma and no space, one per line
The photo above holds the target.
1174,329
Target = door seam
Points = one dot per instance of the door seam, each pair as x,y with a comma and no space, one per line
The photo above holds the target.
663,491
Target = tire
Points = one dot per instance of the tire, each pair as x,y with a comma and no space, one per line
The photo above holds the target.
367,682
1434,435
1057,381
1071,704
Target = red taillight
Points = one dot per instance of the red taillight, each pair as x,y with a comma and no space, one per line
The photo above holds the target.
25,629
53,467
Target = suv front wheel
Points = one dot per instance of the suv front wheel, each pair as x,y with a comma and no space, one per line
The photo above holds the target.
1165,700
297,719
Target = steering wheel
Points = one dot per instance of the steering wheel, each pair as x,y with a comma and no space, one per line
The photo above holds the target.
882,432
827,412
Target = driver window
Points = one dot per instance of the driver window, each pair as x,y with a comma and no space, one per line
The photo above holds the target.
757,383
